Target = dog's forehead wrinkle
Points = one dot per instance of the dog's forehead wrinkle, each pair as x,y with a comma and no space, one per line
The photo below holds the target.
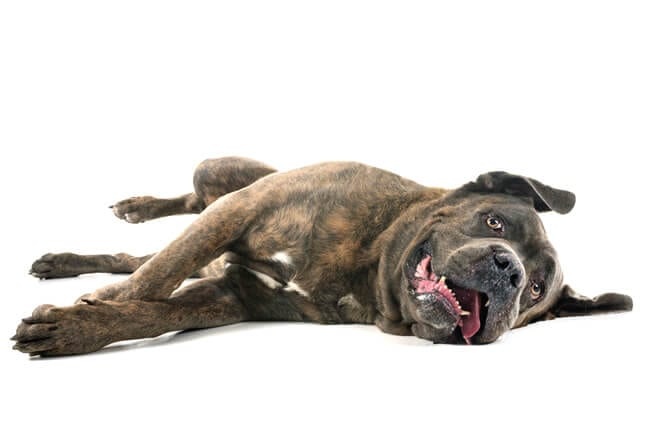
521,219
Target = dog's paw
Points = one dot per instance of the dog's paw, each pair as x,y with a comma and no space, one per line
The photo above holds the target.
134,210
51,266
55,331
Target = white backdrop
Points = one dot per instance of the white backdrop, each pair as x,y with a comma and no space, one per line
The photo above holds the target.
101,101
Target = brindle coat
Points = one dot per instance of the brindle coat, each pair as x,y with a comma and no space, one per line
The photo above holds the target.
330,243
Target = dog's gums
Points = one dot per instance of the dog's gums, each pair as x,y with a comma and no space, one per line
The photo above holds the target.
464,304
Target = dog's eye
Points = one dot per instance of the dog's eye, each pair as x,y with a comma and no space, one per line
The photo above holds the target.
536,290
494,223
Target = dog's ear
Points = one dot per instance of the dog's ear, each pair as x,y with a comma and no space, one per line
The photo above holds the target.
570,303
545,198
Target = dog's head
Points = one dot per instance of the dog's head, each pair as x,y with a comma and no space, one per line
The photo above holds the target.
482,264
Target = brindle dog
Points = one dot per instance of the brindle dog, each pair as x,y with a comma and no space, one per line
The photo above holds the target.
330,243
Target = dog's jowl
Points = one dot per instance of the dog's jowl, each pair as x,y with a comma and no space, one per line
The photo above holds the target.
329,243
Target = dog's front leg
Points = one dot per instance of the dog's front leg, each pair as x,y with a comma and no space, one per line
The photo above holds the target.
92,324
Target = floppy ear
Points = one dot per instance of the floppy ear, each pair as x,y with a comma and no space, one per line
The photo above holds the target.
570,303
545,198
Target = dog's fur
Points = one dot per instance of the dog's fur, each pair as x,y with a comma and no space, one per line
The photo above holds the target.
330,243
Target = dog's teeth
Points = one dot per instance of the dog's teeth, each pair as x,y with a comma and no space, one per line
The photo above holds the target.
487,303
464,313
442,279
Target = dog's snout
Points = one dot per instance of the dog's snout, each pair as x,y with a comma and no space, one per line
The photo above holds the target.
506,264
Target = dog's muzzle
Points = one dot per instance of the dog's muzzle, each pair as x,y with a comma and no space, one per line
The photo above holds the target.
479,287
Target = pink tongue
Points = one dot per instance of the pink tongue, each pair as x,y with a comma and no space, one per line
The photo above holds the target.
471,301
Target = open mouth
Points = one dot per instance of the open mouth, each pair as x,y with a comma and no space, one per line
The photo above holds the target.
467,305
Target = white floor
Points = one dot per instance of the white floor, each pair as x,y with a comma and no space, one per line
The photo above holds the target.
571,369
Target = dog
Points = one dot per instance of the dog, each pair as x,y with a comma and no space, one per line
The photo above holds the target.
330,243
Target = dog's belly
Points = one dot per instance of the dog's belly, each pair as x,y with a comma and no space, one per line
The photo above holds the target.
341,302
276,272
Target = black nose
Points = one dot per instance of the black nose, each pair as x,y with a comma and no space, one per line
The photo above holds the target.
505,264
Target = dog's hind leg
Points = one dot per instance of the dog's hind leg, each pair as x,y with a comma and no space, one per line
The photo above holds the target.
67,264
139,209
203,242
92,324
148,303
213,178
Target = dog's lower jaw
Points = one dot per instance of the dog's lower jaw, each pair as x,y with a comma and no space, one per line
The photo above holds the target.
433,321
493,329
430,333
